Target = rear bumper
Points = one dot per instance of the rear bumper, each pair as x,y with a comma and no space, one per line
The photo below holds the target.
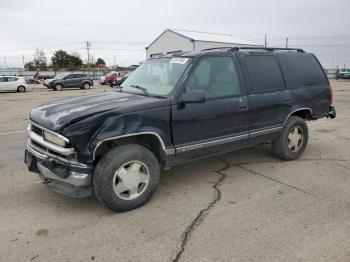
331,112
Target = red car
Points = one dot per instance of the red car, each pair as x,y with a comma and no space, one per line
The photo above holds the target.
109,78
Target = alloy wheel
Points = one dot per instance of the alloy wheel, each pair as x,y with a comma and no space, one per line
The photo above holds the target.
131,180
295,139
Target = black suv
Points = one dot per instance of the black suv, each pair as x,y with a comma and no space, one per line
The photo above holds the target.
174,109
69,80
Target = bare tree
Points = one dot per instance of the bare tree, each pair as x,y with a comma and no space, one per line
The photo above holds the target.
76,54
40,59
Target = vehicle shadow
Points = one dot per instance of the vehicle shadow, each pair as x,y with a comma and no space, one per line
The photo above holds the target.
173,182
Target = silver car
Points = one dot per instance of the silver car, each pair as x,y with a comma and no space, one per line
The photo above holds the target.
13,83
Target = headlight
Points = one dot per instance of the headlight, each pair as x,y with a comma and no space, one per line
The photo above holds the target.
54,138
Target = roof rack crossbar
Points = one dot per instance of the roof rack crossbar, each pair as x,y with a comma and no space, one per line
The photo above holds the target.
229,48
270,49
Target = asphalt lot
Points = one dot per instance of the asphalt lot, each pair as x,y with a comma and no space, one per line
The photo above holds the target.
242,206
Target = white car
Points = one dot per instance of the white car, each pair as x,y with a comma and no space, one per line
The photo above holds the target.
102,80
13,83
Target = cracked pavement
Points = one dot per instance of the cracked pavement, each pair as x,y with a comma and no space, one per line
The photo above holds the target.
241,206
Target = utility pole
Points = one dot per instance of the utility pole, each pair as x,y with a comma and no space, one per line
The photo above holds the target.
88,44
286,42
5,66
114,60
23,61
265,41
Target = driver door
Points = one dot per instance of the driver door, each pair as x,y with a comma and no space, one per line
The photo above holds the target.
219,124
69,80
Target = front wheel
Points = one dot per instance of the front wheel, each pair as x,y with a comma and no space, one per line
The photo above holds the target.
58,87
86,86
126,177
293,139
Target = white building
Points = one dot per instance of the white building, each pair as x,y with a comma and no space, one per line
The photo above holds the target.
173,40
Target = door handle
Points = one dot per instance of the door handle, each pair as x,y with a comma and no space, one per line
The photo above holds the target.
243,107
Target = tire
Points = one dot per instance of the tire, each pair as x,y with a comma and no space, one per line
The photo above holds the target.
21,89
86,86
115,166
293,139
58,87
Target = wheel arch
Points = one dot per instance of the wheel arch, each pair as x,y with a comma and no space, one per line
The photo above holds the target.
304,113
150,140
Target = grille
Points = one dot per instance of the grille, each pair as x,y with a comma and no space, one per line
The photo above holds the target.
37,130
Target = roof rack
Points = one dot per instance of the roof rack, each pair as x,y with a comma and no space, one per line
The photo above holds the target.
228,48
269,49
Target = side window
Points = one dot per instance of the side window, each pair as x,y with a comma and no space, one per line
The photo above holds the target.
12,79
265,73
216,76
303,69
71,76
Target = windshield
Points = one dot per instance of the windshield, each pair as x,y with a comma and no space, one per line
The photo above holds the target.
156,77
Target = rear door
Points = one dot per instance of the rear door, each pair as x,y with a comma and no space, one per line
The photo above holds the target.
269,100
78,80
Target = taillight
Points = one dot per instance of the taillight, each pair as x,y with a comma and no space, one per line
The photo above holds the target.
330,95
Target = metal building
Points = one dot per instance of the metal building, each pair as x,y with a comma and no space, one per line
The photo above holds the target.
173,40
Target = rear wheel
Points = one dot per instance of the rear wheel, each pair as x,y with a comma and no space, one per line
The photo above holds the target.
21,89
58,87
293,139
126,177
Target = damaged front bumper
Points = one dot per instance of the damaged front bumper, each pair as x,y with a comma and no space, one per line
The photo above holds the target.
56,170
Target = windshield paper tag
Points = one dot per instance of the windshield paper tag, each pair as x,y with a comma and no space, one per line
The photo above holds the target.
179,60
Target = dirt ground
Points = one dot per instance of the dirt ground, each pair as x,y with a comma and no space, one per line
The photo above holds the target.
241,206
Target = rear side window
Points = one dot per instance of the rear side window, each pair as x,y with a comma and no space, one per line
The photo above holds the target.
302,69
264,73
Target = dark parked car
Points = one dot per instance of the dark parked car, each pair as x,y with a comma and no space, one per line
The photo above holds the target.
119,82
69,80
175,109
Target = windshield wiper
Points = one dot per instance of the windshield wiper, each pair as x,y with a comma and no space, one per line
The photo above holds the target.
144,90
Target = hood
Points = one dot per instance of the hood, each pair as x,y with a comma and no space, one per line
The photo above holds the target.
57,114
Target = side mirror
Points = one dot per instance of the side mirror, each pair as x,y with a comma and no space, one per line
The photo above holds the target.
192,96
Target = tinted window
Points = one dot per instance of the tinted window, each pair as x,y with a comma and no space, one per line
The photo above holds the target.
69,76
302,69
264,72
3,79
217,76
12,79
